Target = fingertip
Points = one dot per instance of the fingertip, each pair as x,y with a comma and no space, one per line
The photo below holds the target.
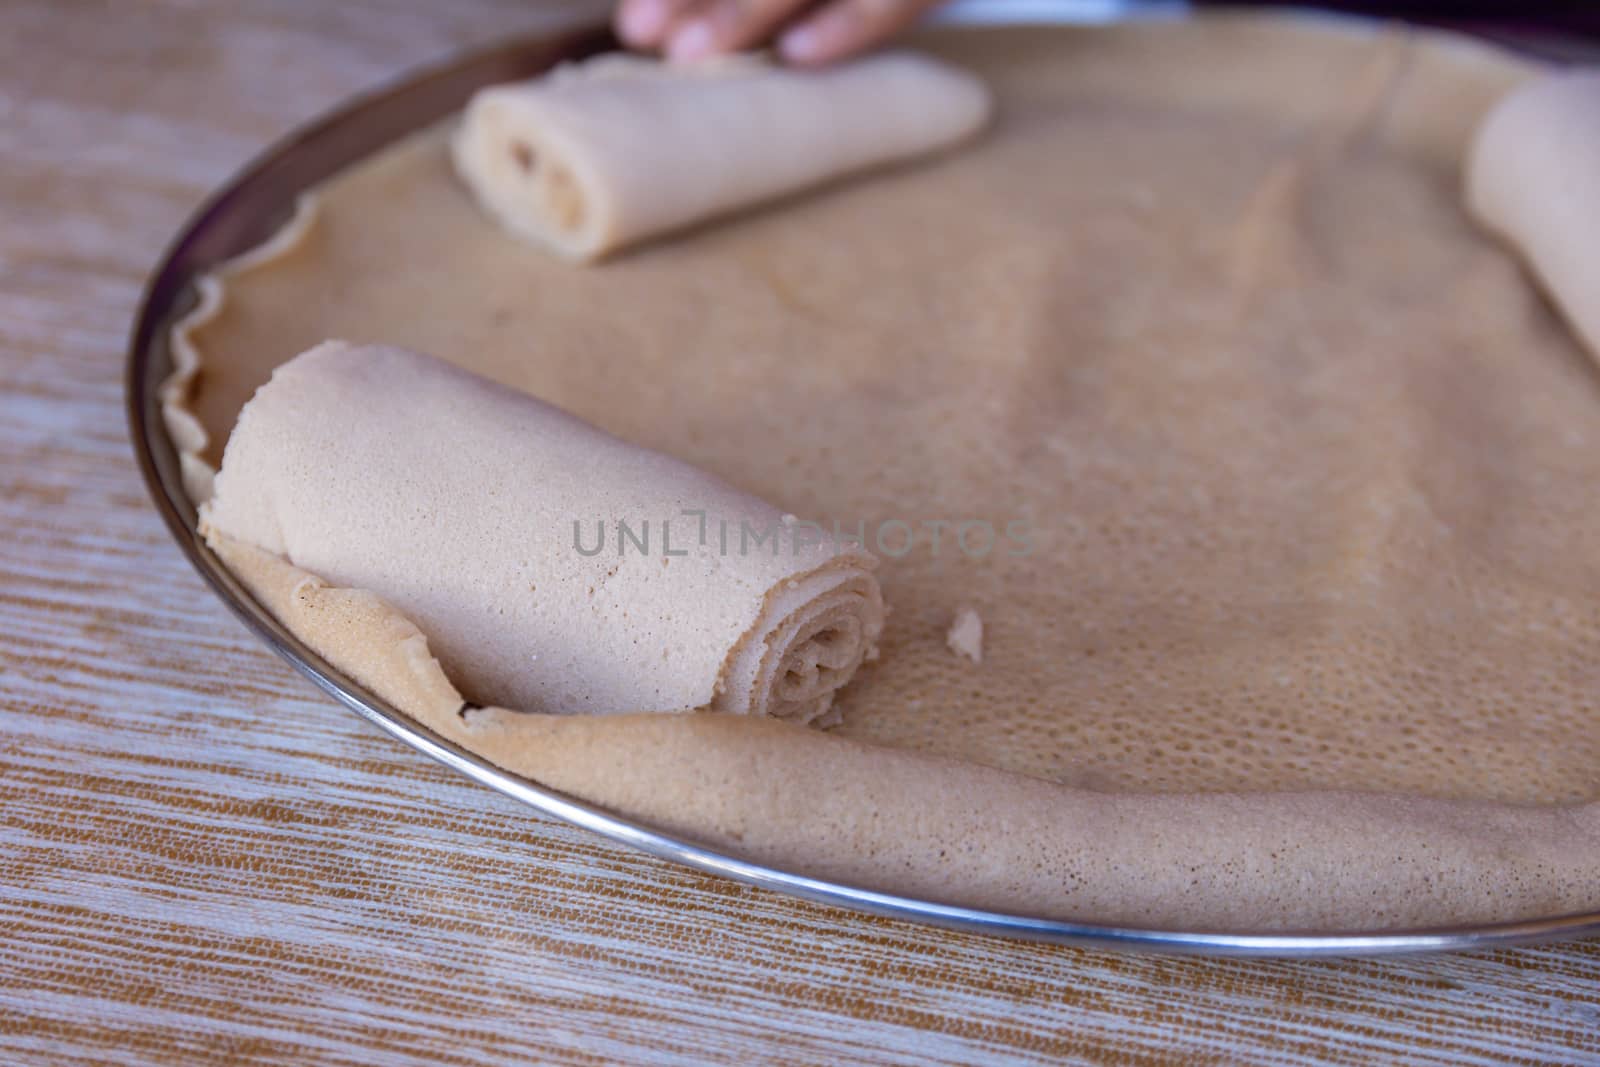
830,34
690,42
843,28
637,22
823,38
801,45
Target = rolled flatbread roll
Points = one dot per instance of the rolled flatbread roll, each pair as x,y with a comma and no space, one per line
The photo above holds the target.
552,567
620,148
1534,178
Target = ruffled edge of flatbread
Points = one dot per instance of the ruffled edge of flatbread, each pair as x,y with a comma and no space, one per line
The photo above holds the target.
960,833
187,432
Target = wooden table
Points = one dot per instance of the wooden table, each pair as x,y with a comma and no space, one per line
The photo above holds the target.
201,858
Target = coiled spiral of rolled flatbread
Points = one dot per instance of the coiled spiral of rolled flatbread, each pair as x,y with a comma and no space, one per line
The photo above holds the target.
619,149
553,567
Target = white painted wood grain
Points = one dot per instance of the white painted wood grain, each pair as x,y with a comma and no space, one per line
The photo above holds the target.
203,860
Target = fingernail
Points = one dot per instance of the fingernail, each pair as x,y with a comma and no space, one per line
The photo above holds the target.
690,43
642,21
800,45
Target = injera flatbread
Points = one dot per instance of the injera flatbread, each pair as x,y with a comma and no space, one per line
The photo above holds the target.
1306,634
464,504
620,148
1531,177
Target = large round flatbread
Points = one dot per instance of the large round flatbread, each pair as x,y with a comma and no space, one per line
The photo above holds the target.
1304,634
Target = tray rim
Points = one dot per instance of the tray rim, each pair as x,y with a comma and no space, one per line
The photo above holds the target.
168,291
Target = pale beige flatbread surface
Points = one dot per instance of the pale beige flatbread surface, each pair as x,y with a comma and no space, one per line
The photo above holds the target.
458,500
1306,462
602,154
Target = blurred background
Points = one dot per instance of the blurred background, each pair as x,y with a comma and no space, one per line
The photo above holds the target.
1556,28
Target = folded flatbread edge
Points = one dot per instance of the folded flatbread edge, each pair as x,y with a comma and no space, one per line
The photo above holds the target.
921,826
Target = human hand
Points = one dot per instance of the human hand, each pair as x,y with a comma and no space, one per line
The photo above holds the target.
805,32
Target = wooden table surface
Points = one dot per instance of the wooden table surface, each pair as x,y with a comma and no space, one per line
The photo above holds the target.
202,859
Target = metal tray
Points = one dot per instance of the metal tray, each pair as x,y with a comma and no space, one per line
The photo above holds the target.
257,201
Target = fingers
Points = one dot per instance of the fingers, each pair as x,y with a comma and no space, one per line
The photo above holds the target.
845,27
648,23
693,29
721,26
687,30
